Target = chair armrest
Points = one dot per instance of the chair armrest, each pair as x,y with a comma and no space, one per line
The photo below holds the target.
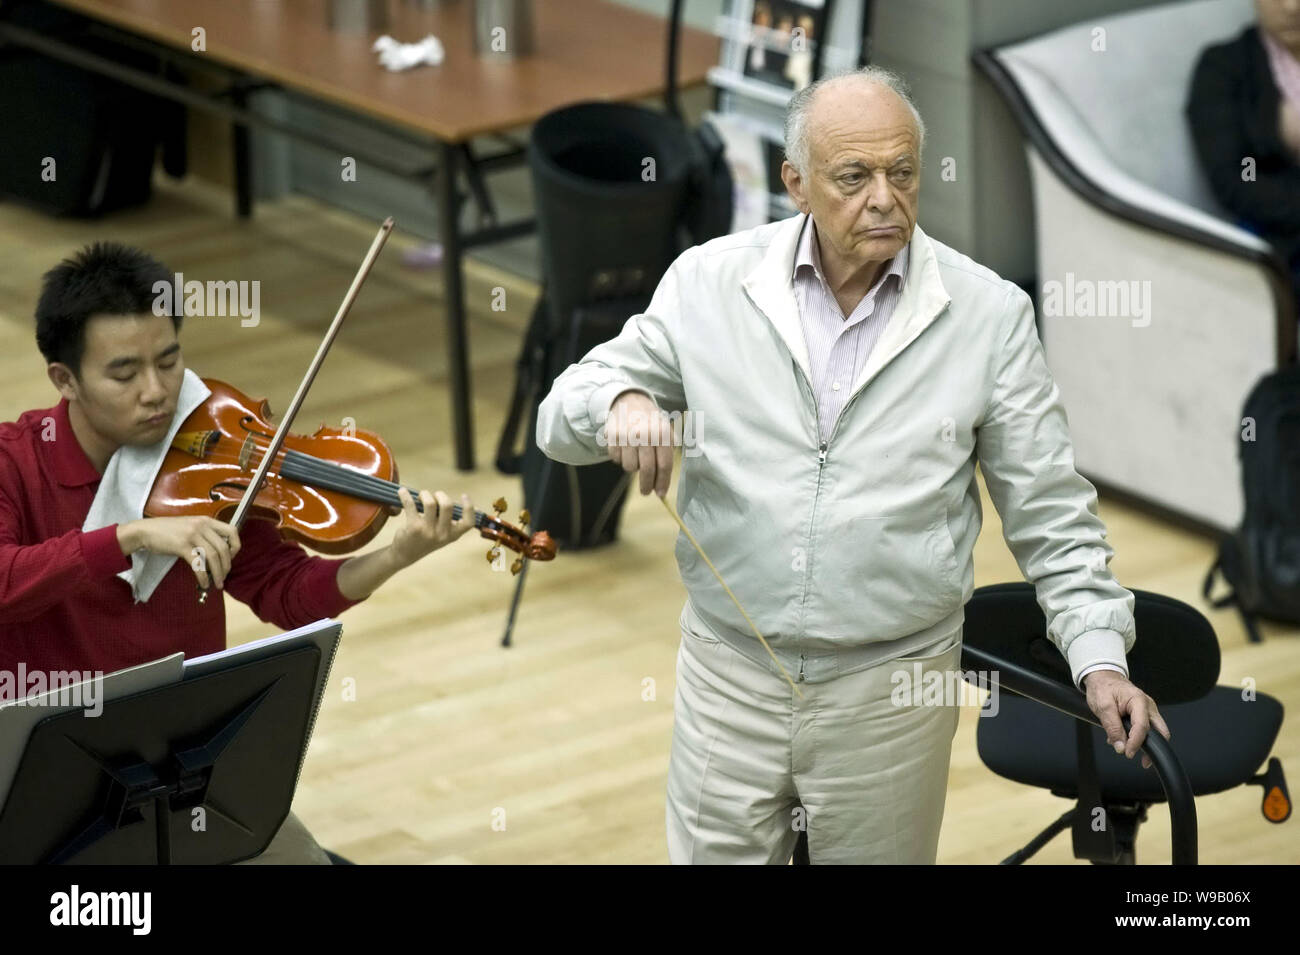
1040,689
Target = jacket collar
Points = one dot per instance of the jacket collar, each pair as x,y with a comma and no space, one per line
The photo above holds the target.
808,255
69,464
771,288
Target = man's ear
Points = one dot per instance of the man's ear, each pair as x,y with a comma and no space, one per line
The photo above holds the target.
63,379
794,185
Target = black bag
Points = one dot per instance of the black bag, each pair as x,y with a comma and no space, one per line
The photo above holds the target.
1261,560
101,136
710,203
579,506
607,237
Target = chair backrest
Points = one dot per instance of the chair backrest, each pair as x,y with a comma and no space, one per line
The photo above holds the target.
1175,659
1130,93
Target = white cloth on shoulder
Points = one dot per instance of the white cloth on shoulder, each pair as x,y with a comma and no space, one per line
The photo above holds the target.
125,486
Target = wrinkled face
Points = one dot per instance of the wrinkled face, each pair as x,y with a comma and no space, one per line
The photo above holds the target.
130,380
863,180
1281,18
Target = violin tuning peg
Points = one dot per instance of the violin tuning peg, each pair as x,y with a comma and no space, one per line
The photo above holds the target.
517,566
500,505
493,553
525,517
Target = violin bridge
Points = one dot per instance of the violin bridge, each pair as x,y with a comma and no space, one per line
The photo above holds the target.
246,453
196,444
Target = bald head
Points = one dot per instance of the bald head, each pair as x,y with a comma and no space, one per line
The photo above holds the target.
870,95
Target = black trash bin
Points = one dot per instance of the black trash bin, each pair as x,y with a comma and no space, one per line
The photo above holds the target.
610,182
75,142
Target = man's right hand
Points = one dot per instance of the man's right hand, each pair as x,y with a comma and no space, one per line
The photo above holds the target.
636,411
207,545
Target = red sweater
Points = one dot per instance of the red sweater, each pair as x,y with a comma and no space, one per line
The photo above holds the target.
62,607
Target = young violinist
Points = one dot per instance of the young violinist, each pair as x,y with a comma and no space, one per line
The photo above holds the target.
118,368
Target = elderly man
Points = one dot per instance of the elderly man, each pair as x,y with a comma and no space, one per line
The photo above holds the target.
846,372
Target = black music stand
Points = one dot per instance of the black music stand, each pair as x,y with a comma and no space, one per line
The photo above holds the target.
201,771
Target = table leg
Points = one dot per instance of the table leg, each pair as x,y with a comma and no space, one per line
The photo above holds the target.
454,296
242,157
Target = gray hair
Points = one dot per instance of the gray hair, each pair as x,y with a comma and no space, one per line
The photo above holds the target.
796,115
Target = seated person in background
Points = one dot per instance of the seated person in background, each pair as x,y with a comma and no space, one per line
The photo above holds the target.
118,366
1245,104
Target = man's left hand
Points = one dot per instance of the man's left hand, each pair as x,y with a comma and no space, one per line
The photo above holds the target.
423,533
420,534
1111,696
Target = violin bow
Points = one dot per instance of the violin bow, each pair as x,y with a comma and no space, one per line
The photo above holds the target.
700,550
286,421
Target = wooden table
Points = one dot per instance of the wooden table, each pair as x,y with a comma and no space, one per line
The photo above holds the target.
585,50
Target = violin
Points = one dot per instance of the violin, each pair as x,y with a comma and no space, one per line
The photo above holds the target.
331,491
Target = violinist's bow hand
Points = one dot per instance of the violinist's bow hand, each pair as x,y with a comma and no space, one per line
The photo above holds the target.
208,545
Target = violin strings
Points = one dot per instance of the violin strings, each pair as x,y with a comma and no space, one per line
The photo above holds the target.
297,465
368,486
313,469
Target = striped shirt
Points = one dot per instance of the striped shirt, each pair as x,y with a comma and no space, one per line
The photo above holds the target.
838,347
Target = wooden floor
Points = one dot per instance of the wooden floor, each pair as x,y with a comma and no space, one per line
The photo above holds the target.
454,749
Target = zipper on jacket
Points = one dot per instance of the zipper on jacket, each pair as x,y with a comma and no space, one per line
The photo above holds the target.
848,404
801,659
838,418
817,493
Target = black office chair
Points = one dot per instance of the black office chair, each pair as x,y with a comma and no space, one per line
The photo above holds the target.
1219,738
1045,735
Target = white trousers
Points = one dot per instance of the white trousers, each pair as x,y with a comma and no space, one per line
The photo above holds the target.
293,844
752,763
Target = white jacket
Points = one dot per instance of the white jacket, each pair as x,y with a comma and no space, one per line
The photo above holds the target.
862,544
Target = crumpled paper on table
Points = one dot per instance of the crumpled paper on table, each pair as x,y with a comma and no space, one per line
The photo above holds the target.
402,56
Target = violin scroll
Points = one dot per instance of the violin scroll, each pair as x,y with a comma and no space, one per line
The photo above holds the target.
538,546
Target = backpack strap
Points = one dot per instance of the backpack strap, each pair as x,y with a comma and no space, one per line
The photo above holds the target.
528,372
1252,631
1206,587
1247,619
